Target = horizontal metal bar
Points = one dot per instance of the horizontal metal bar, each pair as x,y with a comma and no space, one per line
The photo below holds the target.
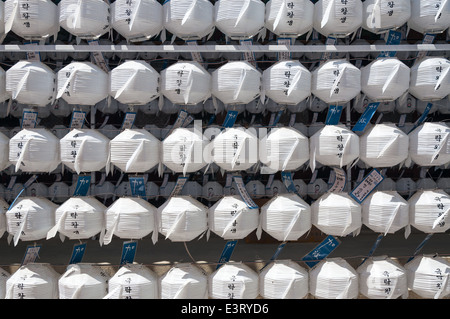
223,48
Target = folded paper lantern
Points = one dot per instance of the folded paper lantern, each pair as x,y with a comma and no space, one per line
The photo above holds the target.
429,16
289,18
233,280
83,281
428,211
382,16
133,281
184,281
430,79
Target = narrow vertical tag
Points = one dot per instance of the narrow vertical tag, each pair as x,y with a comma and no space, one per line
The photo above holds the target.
275,118
321,251
285,55
31,253
98,57
340,180
181,181
367,185
392,38
137,186
419,248
275,255
33,55
82,187
227,252
243,192
248,55
334,114
29,119
422,117
374,247
230,119
128,120
289,182
428,38
128,252
77,253
179,121
77,120
196,56
327,55
366,117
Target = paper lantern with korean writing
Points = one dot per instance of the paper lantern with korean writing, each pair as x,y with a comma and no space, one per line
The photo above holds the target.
31,82
236,82
383,145
33,20
133,281
382,16
182,218
235,149
134,82
231,218
189,19
405,186
286,217
385,212
182,151
136,20
33,281
430,78
234,280
83,281
186,82
429,144
85,19
336,214
333,278
429,16
85,150
289,18
284,279
34,150
333,145
337,18
336,81
79,218
385,79
184,281
428,209
135,150
428,276
30,219
82,83
130,218
287,82
381,277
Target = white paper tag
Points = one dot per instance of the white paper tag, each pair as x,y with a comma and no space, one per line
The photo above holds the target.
29,119
77,120
196,56
243,192
31,254
98,57
340,180
128,121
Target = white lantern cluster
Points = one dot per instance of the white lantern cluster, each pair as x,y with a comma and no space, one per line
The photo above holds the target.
382,16
430,78
429,16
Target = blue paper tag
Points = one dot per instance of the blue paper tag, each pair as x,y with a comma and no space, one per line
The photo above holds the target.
393,38
275,255
77,120
128,120
31,253
288,182
419,248
374,247
230,119
334,114
366,186
243,192
77,253
422,117
83,184
29,119
137,186
366,117
325,248
128,252
181,181
227,252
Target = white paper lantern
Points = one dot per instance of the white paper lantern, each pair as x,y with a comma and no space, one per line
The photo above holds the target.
135,150
428,276
2,18
406,186
189,19
254,188
429,16
58,192
360,54
34,150
130,218
182,218
423,105
429,144
4,276
336,214
83,281
336,81
382,16
184,281
333,145
166,190
82,83
33,281
444,184
231,218
381,277
287,82
426,184
193,189
31,82
134,82
86,19
284,279
212,191
182,151
430,78
33,20
385,212
133,281
79,218
289,19
277,187
84,150
109,130
152,190
37,189
385,79
336,18
427,210
317,188
137,20
234,280
236,82
235,149
383,145
444,105
30,219
286,217
405,104
333,278
104,191
186,82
